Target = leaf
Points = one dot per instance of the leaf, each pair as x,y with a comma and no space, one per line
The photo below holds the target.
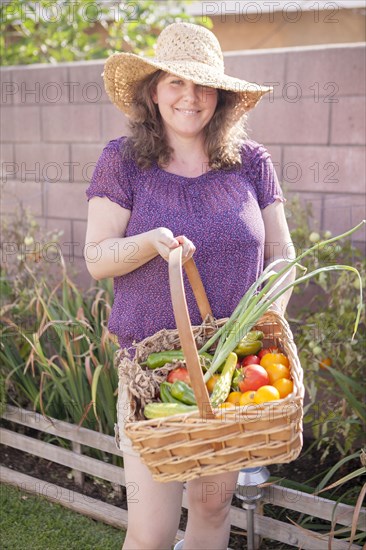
94,388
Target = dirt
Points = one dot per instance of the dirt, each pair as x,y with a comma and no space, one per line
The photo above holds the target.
300,470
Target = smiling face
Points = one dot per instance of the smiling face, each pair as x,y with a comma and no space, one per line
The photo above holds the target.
186,108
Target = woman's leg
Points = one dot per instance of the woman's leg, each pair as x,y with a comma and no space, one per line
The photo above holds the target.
153,508
209,500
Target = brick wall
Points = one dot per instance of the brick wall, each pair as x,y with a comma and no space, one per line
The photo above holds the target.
56,120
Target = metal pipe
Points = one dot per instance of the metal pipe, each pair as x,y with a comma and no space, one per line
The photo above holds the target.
249,491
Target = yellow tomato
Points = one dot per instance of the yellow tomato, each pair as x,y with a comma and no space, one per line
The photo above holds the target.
266,393
246,398
227,405
276,371
284,386
234,397
270,358
210,384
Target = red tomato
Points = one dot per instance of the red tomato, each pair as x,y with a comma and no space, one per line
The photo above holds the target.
254,376
250,360
180,373
272,349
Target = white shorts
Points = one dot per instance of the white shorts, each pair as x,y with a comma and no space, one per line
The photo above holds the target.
123,410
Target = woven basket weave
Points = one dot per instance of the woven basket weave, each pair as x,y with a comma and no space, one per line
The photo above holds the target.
206,442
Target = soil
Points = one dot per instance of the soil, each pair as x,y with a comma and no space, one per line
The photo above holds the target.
301,470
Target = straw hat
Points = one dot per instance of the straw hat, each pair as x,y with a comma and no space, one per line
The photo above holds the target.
186,50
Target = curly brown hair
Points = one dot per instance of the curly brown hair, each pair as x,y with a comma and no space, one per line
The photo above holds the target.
148,141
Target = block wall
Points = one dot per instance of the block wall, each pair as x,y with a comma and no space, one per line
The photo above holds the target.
56,120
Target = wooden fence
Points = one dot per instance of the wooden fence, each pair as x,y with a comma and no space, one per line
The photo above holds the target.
337,514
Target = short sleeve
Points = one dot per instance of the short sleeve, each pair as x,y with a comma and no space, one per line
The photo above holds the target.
264,173
110,178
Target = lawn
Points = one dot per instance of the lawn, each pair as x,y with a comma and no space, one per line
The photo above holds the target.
32,523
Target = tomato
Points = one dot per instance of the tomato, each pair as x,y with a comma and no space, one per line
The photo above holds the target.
263,352
210,384
253,377
250,360
234,397
227,405
270,358
324,363
266,393
284,386
276,371
247,398
180,373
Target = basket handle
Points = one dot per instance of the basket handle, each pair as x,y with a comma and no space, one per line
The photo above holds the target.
184,323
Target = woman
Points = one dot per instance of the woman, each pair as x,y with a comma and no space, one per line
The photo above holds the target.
187,176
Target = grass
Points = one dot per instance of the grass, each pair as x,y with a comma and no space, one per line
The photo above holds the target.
30,522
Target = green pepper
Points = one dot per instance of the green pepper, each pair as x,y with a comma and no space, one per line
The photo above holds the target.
250,344
166,393
184,393
238,377
159,359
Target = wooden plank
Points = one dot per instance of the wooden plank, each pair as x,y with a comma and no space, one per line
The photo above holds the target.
78,476
67,458
312,505
288,533
66,430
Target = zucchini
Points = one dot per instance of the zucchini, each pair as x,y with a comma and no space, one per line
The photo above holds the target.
160,410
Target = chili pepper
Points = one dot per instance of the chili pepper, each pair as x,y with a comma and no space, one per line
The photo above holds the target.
184,393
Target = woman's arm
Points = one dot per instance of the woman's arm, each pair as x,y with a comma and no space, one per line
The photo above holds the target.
278,245
108,253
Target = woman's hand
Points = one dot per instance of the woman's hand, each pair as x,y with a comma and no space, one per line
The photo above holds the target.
188,247
164,241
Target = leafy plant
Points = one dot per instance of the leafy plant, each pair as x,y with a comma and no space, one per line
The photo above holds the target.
46,32
332,361
55,350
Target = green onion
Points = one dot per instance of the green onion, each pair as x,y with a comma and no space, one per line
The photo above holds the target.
256,302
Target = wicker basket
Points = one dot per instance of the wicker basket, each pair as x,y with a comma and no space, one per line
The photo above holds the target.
184,447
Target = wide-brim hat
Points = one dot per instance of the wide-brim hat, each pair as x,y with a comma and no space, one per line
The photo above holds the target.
186,50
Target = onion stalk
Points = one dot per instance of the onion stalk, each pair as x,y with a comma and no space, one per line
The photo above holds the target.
256,301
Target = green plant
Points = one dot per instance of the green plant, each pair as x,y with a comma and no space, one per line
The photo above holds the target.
332,360
55,350
64,365
39,32
352,489
46,32
139,25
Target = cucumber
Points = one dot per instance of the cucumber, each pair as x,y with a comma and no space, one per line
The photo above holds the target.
160,410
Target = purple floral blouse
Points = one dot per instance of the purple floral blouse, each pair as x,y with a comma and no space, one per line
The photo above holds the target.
219,211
